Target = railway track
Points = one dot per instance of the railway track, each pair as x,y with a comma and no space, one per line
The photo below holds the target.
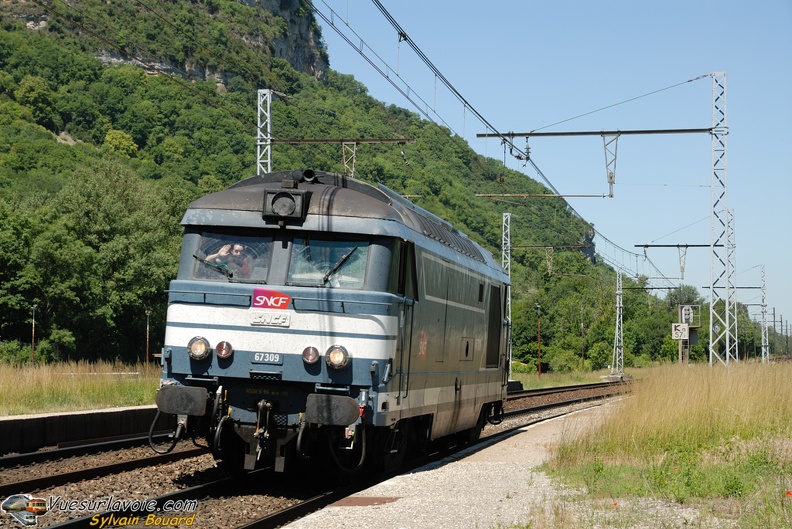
257,501
19,478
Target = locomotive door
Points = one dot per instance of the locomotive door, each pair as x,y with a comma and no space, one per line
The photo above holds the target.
405,346
407,288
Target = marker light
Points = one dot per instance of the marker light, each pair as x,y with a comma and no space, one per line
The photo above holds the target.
224,350
198,348
310,355
337,357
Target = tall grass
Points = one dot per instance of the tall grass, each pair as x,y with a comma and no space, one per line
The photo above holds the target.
693,434
73,386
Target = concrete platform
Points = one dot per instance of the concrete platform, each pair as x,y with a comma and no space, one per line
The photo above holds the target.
28,433
494,486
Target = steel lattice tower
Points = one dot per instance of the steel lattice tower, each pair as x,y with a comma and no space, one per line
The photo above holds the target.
264,132
617,363
506,264
723,319
765,347
731,290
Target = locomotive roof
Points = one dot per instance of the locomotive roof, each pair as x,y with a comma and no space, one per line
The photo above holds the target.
331,194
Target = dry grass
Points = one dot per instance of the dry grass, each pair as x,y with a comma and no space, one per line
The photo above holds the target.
75,386
698,434
699,407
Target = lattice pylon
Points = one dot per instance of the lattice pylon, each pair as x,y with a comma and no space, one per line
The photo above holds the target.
264,132
611,144
765,341
349,149
722,306
617,362
506,264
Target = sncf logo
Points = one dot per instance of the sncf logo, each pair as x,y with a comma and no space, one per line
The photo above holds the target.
270,299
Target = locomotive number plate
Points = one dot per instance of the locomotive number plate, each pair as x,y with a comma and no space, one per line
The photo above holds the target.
268,358
271,319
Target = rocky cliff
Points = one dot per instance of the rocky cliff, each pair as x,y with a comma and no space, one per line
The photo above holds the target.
299,40
302,44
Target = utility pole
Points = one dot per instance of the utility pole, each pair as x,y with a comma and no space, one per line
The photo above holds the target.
33,337
148,313
539,338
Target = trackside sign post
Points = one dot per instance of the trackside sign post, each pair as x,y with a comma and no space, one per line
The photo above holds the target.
680,331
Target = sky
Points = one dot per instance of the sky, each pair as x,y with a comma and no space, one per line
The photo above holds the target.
610,65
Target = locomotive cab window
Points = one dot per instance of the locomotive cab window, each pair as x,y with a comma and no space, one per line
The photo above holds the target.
319,262
402,279
222,257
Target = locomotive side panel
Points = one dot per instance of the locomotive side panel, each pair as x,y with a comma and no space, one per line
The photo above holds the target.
451,375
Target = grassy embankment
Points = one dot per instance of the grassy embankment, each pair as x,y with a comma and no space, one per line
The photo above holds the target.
718,438
75,386
78,386
549,380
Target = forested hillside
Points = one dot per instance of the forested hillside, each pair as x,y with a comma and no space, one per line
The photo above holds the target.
114,117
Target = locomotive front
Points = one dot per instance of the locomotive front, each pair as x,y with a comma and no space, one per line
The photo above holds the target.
284,319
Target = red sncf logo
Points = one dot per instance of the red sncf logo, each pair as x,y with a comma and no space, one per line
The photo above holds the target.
269,299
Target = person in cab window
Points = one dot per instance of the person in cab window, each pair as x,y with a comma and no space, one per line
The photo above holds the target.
234,257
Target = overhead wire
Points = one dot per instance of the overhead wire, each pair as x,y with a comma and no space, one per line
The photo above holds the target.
521,154
379,70
680,229
403,37
621,102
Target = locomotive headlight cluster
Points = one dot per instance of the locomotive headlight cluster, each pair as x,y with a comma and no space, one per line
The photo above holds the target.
199,349
224,350
310,355
337,357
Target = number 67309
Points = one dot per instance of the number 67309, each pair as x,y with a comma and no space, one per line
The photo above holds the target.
268,358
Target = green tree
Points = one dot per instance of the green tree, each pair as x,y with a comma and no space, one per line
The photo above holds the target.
120,142
34,92
15,241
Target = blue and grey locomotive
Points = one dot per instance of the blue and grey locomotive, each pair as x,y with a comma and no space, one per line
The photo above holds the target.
314,315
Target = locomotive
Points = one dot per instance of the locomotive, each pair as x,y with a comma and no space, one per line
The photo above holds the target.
317,317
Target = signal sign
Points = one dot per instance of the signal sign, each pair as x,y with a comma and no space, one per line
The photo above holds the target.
680,331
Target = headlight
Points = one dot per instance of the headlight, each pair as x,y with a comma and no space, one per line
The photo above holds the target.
198,348
310,355
224,350
337,357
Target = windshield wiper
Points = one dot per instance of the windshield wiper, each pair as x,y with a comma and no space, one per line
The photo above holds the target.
338,265
219,267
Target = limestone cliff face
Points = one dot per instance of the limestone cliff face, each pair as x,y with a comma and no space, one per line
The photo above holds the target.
301,45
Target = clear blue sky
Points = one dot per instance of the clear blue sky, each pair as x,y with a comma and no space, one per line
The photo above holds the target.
527,65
